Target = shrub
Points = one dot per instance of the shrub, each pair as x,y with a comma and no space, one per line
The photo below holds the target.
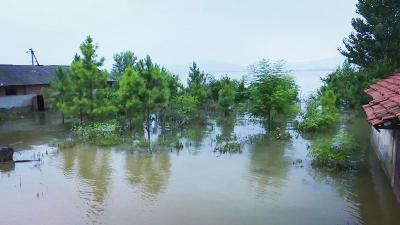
321,112
333,153
99,133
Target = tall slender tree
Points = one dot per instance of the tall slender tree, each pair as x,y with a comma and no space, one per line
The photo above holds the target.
88,81
156,93
197,84
131,94
60,92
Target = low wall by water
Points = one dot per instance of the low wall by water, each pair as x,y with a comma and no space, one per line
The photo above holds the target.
384,143
17,102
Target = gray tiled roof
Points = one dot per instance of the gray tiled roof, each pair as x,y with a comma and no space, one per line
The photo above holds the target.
26,74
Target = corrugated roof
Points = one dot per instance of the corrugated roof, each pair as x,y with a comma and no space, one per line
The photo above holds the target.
26,74
385,106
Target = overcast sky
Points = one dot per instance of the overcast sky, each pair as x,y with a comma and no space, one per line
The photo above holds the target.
175,31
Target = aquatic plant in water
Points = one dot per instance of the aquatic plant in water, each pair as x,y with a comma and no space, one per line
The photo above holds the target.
333,153
227,144
99,133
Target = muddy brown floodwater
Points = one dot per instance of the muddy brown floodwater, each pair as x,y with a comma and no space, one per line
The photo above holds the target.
262,185
270,182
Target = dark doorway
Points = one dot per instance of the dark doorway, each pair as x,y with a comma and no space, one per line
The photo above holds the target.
40,103
11,91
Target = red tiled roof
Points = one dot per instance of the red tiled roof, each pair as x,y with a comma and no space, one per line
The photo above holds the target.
385,105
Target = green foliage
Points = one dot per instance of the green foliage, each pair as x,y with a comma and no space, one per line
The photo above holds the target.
197,84
59,94
226,95
185,108
130,93
280,134
155,92
273,92
333,153
242,93
214,86
103,134
88,83
348,83
377,34
227,144
122,61
321,112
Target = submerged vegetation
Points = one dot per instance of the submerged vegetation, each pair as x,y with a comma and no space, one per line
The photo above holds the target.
333,153
99,133
146,94
321,112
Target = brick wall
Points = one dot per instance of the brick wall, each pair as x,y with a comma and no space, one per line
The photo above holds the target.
25,90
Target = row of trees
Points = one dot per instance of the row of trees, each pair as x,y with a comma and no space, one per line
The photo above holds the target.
139,89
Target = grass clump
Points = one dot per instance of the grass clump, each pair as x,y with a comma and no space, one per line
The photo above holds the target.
333,153
98,133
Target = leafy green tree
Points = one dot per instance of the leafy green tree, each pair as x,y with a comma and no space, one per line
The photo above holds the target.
88,82
197,84
242,93
60,92
122,61
273,91
156,94
348,82
214,86
131,94
226,95
185,108
377,33
175,86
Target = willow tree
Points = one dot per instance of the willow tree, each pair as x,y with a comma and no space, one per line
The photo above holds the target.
155,93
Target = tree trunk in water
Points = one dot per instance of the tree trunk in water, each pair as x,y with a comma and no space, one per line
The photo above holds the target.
269,121
63,120
148,130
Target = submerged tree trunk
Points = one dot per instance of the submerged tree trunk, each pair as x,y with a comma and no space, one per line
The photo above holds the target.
63,119
148,129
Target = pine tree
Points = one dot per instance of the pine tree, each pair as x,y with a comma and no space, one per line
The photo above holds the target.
197,84
377,33
89,82
131,94
122,61
226,95
156,93
60,92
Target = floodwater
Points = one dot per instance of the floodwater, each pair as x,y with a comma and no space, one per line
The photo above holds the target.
270,182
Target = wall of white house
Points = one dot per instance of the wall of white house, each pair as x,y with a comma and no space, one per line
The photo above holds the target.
384,143
17,101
